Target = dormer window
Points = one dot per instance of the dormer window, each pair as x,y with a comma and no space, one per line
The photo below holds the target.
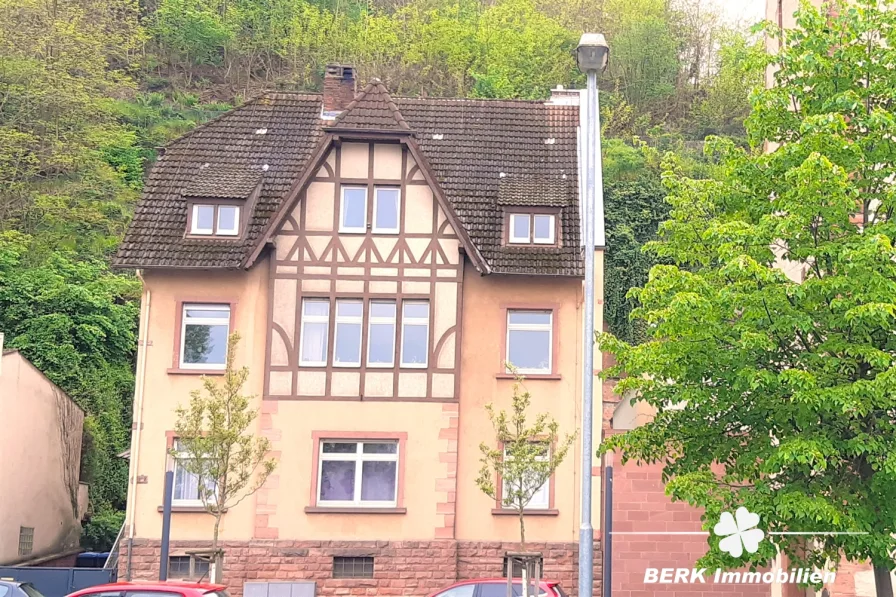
209,219
531,228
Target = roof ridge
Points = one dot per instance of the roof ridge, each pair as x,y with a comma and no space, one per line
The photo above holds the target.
373,93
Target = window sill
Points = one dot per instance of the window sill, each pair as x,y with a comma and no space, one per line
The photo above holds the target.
325,510
179,371
197,509
528,376
506,512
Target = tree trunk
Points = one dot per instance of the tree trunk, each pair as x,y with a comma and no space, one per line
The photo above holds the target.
217,561
523,532
882,581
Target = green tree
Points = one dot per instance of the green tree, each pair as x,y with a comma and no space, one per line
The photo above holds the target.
77,323
774,394
213,431
524,455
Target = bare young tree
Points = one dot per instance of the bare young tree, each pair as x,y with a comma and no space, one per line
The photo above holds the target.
215,444
524,457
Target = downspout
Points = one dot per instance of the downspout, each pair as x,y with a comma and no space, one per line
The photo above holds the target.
142,336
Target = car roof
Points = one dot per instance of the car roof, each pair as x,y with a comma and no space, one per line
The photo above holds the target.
501,580
150,585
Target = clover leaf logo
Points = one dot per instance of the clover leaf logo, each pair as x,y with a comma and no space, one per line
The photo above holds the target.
740,534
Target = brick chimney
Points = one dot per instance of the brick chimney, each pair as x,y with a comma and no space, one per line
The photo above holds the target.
339,89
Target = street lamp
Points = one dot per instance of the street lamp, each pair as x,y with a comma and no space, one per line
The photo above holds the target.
591,56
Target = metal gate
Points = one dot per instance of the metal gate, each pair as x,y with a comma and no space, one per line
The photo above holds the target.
58,582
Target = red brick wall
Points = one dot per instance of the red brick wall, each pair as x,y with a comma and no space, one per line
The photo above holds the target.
415,568
641,505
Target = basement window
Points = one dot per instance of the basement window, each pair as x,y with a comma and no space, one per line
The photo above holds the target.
353,567
187,567
26,541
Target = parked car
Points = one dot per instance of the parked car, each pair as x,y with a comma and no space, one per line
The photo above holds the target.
171,588
13,588
496,587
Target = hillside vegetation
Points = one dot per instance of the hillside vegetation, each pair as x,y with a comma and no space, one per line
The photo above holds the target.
89,89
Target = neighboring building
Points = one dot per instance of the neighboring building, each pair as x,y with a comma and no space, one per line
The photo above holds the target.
382,258
43,503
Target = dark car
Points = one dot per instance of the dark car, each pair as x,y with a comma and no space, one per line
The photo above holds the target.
14,588
496,587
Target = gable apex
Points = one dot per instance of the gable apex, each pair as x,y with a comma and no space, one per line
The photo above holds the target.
372,110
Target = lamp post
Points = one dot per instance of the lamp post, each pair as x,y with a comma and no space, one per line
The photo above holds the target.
591,56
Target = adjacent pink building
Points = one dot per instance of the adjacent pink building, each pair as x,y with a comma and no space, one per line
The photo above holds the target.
40,462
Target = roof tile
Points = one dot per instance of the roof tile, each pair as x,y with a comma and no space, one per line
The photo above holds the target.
468,143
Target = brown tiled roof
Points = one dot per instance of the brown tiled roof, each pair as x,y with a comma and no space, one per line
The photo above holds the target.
373,109
468,144
535,191
225,182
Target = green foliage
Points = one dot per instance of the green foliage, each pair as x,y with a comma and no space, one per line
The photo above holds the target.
774,394
76,322
634,210
214,431
103,529
723,108
530,454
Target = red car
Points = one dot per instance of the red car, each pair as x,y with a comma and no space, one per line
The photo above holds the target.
171,588
496,587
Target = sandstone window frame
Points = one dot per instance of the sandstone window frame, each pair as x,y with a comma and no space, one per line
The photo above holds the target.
177,467
208,321
551,373
318,506
501,510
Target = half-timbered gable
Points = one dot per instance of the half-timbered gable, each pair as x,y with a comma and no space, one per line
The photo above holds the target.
369,258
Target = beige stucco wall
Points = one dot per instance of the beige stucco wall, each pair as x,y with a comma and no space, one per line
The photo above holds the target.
440,460
31,462
164,391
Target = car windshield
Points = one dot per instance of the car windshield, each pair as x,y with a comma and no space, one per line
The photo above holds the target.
560,591
30,590
221,593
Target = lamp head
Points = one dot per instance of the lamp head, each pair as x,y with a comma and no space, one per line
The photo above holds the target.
592,53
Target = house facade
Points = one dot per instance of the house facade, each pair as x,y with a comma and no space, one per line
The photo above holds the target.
383,259
40,517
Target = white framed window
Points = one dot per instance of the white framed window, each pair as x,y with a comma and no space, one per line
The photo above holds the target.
185,491
519,228
543,229
347,338
358,473
228,220
540,500
530,340
315,330
203,221
386,205
532,228
381,334
353,209
414,333
203,336
217,220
